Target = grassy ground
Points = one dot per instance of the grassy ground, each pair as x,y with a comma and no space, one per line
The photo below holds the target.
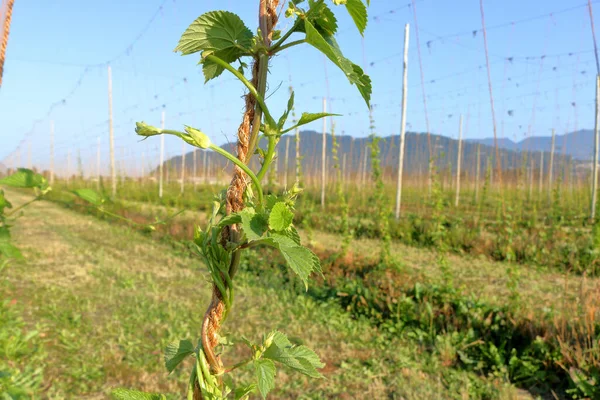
542,290
95,303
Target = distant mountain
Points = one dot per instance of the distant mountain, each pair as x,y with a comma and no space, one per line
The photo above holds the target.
578,144
352,153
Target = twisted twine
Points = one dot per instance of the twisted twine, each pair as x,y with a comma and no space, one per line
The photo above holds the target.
5,32
235,197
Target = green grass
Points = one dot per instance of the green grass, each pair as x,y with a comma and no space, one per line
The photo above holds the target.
105,300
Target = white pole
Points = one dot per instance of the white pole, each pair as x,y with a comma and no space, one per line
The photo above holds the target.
98,165
323,155
541,184
286,161
343,174
68,166
205,168
551,165
182,167
530,178
29,162
477,172
195,168
162,156
596,147
403,122
113,172
51,152
458,160
298,159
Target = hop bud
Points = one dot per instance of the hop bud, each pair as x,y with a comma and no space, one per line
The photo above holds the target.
200,139
143,129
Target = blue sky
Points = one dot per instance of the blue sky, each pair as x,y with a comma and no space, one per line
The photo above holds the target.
59,50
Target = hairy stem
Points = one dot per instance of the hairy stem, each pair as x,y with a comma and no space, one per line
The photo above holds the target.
247,131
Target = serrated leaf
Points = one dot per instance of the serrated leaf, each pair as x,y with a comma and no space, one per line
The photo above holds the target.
300,259
299,358
176,352
307,118
212,70
4,203
89,195
24,178
230,219
265,376
217,31
128,394
243,392
322,19
328,46
281,217
8,250
358,12
271,200
285,115
293,234
4,233
254,225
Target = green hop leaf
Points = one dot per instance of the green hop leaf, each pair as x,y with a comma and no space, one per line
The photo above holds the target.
8,250
243,392
220,33
265,375
24,178
4,203
89,195
321,18
176,352
284,116
307,118
300,259
299,358
328,46
216,31
358,12
280,217
254,224
128,394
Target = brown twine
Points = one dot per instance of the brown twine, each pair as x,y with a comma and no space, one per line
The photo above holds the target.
5,32
235,200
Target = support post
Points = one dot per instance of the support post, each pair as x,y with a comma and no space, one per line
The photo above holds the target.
323,155
458,160
113,171
51,152
596,148
162,156
403,122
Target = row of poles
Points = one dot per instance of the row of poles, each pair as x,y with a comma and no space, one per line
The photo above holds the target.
398,201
